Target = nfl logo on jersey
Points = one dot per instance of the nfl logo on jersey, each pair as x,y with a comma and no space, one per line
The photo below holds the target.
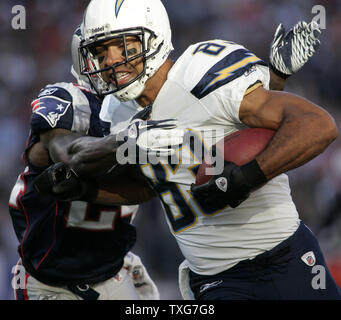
309,258
132,132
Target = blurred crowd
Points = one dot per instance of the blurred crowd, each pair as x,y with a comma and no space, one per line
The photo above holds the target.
40,54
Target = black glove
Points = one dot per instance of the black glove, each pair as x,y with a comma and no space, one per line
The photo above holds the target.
231,187
61,182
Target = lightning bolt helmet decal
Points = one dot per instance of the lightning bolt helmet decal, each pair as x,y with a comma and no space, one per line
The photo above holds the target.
118,6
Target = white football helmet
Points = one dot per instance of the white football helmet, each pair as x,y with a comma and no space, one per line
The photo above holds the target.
117,19
76,66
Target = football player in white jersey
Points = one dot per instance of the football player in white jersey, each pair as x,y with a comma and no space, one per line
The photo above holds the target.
82,258
247,241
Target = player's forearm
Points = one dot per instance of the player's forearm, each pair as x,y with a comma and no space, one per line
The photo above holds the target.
93,156
124,195
303,133
108,198
57,141
125,186
276,82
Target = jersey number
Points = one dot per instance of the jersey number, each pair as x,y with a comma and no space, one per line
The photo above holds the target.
88,216
180,206
211,48
18,189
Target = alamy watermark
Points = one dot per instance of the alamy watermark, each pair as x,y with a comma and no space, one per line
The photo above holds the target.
19,278
19,16
320,16
319,281
191,149
19,19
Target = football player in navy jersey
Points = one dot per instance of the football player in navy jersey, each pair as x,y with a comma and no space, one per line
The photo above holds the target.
241,241
80,249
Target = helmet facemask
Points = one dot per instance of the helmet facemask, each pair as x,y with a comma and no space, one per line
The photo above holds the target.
98,74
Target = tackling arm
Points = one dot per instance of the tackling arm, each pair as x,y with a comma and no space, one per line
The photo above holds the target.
125,185
141,138
52,146
88,160
122,186
93,156
56,142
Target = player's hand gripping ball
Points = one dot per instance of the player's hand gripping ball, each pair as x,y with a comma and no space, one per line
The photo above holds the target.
241,173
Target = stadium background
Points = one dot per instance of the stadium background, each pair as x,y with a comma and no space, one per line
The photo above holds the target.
40,54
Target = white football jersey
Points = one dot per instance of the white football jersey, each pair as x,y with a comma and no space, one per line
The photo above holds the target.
118,113
203,91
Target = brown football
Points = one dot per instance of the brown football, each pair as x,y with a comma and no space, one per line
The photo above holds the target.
239,147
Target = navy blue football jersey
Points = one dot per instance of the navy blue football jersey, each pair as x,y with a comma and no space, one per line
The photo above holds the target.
67,242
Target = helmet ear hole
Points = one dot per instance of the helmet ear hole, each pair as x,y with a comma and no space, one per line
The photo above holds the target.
154,44
76,69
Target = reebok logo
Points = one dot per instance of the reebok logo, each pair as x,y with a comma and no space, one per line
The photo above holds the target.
210,285
221,183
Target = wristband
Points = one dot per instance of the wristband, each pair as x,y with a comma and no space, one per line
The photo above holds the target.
279,73
253,174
